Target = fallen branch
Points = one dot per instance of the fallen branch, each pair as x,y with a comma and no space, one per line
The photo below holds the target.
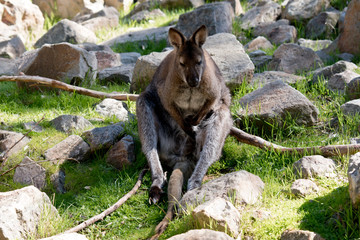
48,82
326,151
111,209
241,136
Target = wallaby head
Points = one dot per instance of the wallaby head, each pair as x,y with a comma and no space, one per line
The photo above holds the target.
189,60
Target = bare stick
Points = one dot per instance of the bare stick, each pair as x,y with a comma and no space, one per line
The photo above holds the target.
327,151
48,82
111,209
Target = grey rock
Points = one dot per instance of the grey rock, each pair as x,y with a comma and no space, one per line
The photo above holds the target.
67,236
58,181
261,61
72,148
217,17
147,15
123,5
323,25
245,187
129,57
341,21
90,47
104,137
30,173
144,70
116,75
292,58
202,234
328,71
107,59
64,62
21,211
274,102
314,166
314,44
300,10
259,42
8,67
66,31
33,126
69,123
11,48
300,235
264,12
277,32
110,107
351,108
353,89
231,58
353,173
303,187
339,81
272,76
220,214
106,18
122,154
154,34
257,53
8,140
345,56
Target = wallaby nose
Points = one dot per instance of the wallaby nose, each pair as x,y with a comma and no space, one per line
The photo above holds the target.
193,82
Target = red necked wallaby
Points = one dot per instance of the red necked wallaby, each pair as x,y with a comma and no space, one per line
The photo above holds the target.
183,118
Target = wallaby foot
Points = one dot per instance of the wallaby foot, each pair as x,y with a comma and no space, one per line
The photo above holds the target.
155,194
160,228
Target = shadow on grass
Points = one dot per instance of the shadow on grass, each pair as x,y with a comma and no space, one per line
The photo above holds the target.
332,216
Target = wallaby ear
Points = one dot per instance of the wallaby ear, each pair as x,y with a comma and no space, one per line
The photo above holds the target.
176,38
200,35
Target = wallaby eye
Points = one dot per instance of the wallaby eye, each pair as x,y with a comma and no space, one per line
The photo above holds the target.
182,64
199,62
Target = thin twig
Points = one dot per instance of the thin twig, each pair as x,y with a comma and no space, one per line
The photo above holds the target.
111,209
4,157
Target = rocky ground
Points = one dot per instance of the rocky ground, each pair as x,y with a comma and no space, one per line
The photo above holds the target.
69,51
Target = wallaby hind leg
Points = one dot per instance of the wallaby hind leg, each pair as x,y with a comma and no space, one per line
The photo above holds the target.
181,173
149,139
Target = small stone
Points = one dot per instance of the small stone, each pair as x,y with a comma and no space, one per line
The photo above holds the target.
58,181
33,126
259,42
351,108
69,123
303,187
202,234
314,166
9,142
300,235
30,173
122,154
110,107
354,180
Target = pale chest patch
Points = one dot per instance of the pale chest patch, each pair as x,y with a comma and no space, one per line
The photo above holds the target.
189,101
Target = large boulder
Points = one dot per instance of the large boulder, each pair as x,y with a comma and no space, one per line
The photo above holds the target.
21,211
349,37
12,142
227,52
338,82
202,234
141,36
351,108
323,25
327,72
30,173
66,31
274,103
220,214
314,166
69,8
300,10
246,188
292,58
277,32
11,48
264,12
64,62
72,148
217,17
353,173
273,76
315,45
20,17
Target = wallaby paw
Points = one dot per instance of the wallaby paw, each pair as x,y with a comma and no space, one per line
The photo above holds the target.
160,228
155,194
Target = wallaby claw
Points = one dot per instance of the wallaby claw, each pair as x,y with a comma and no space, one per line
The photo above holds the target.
155,194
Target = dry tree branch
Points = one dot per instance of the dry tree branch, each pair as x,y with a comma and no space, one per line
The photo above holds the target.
241,136
111,209
48,82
